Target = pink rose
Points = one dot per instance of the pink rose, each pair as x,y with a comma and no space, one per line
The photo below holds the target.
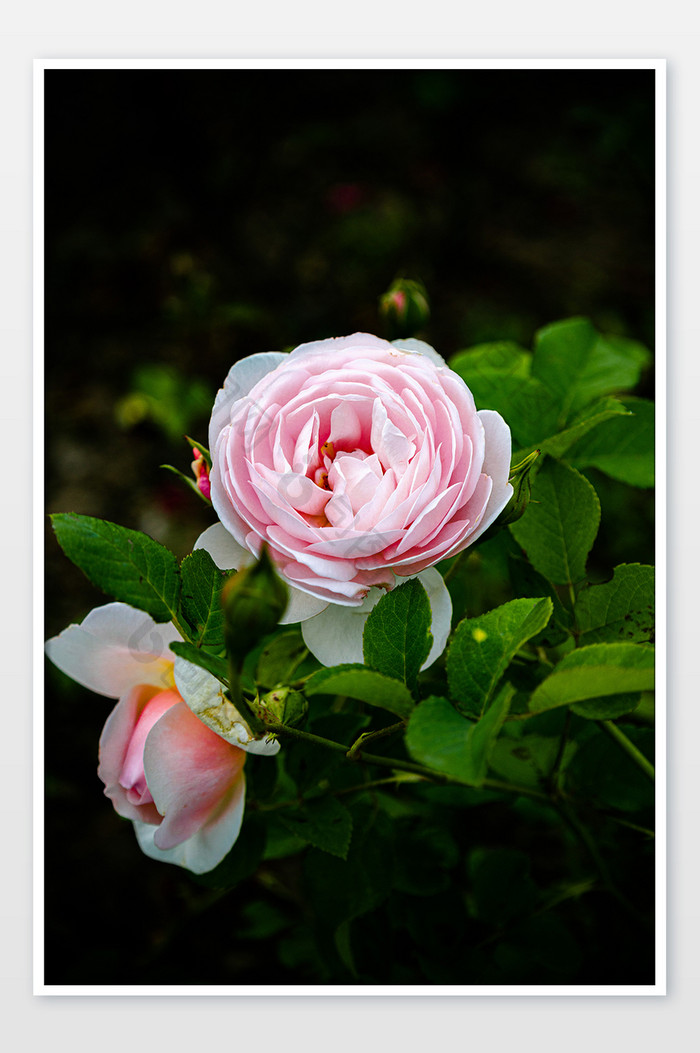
359,463
179,781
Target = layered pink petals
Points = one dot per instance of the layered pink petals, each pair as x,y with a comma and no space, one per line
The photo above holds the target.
191,773
179,781
163,767
355,461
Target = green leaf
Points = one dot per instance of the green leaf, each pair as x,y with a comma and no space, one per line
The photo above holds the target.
397,637
366,685
280,841
596,672
503,357
527,761
338,890
200,600
483,647
528,582
623,448
279,659
589,421
524,402
578,365
621,610
126,564
218,667
560,524
439,737
324,823
607,708
602,774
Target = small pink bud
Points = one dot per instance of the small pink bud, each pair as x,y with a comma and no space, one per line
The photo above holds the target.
201,473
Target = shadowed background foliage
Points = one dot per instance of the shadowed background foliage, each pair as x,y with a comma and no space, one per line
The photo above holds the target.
195,217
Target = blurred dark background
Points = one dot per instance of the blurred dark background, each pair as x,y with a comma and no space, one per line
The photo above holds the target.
195,217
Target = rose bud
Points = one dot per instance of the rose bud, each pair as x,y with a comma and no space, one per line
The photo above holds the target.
282,706
405,307
200,468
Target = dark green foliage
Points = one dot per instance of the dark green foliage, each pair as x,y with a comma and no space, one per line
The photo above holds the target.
200,601
126,564
436,826
198,240
397,635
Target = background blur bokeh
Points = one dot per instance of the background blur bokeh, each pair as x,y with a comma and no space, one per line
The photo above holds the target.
195,217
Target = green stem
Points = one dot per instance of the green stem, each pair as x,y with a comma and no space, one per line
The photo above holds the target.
357,788
628,746
631,826
370,736
305,736
556,767
398,765
256,725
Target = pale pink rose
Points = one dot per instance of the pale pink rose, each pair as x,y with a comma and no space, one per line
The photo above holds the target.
359,463
181,782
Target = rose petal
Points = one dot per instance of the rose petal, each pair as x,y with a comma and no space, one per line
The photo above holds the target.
497,453
301,605
206,848
421,348
335,635
114,649
204,695
114,744
242,378
190,772
340,343
224,549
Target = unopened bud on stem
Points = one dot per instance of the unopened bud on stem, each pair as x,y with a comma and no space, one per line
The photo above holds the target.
284,705
405,307
519,479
